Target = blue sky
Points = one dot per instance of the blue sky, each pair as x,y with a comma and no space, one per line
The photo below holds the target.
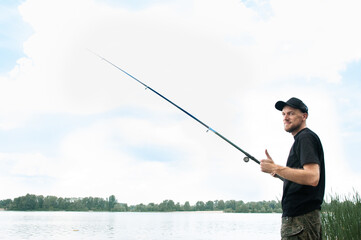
72,125
14,31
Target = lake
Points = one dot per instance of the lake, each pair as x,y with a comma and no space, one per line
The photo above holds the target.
139,226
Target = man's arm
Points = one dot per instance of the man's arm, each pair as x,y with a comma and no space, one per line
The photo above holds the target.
309,175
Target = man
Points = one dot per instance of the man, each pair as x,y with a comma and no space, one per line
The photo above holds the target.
304,175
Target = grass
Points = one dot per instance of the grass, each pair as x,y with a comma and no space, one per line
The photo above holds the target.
341,218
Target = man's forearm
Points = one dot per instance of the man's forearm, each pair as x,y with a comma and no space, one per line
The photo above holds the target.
309,175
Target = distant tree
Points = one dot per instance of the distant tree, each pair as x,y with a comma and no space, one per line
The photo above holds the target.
220,205
111,202
63,203
241,207
187,206
25,203
140,208
163,206
200,206
231,205
120,207
32,202
151,207
209,206
6,204
171,205
99,204
50,203
178,207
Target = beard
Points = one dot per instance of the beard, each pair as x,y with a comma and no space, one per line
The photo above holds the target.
293,128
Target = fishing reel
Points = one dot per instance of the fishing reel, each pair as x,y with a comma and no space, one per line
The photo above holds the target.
246,159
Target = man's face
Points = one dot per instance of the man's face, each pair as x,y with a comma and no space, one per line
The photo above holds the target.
293,119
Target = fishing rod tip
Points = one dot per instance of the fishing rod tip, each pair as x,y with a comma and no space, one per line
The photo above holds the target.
95,53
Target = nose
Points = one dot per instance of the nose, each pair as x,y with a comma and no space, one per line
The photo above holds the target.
285,117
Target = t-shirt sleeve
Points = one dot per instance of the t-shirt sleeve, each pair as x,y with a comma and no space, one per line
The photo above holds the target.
309,150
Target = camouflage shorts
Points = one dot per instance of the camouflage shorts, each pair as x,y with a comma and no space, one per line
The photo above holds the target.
307,226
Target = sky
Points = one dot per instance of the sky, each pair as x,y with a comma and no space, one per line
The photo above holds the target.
72,125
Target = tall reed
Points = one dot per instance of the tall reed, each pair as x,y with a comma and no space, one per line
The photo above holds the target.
341,218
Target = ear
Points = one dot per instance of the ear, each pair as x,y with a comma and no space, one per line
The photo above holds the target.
305,116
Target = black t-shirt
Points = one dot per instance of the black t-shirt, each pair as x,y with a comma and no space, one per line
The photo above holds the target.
300,199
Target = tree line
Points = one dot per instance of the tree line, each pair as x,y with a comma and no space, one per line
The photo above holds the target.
31,202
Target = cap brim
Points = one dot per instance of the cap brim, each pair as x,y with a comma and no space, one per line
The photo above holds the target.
280,105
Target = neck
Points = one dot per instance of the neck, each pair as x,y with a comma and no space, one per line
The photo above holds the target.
298,129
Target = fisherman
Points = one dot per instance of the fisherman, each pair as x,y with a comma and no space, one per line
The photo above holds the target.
304,175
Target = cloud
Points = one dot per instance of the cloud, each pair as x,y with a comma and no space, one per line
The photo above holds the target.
184,49
102,157
24,172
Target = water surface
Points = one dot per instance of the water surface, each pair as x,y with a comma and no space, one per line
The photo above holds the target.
138,226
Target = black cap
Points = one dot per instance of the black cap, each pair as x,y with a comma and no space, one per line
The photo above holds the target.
292,102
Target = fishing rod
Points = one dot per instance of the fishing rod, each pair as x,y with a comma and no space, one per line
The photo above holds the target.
246,158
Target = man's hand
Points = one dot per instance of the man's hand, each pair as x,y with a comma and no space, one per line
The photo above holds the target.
267,165
308,175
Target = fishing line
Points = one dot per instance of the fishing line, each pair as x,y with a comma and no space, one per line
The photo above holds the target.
246,158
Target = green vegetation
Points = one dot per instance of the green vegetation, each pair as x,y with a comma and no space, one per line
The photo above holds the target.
32,202
342,219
